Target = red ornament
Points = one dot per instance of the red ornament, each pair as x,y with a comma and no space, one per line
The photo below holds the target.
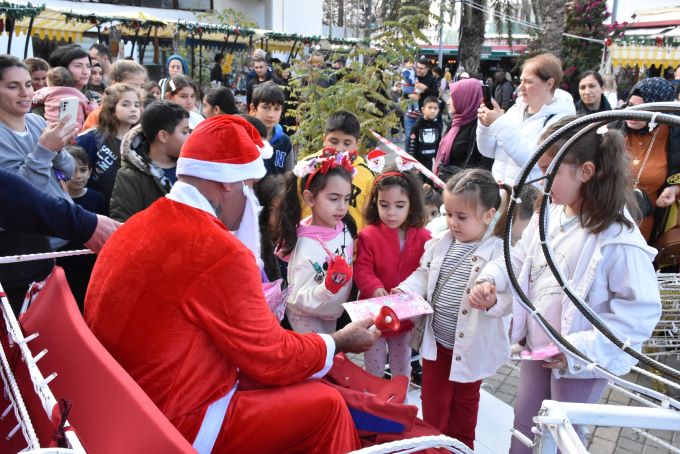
226,37
659,41
608,41
236,31
199,30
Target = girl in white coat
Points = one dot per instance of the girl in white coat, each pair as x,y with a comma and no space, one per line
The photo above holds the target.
460,345
604,258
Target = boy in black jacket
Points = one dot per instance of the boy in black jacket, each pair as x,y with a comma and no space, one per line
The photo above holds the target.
426,133
267,106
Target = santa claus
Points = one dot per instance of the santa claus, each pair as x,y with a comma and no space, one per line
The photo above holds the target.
176,298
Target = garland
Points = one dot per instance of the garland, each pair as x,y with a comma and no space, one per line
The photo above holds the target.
307,40
18,12
97,20
195,28
659,41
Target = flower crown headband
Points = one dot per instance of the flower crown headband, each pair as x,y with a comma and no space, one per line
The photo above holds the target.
329,159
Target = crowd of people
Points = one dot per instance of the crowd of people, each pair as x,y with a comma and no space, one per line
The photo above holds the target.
215,203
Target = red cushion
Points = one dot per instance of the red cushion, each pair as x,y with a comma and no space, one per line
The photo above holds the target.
111,413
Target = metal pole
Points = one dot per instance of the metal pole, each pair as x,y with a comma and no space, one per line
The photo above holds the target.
441,34
143,47
28,36
9,23
200,60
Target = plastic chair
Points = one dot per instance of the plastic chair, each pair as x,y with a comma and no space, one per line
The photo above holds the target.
110,413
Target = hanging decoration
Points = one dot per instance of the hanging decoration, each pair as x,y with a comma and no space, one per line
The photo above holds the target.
193,29
19,12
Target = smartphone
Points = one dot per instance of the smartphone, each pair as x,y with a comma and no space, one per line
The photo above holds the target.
486,92
68,106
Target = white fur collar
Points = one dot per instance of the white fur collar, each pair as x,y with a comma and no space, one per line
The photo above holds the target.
187,194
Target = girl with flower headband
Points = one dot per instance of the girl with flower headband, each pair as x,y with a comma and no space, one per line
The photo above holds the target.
604,258
388,251
460,345
319,247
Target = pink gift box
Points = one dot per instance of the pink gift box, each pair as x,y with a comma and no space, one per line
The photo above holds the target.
540,354
406,306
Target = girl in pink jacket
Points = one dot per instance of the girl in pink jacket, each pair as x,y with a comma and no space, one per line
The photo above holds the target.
388,251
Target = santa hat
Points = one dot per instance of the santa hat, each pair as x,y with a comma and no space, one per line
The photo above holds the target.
224,148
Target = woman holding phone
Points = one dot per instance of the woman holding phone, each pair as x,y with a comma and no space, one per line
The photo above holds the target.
32,149
510,138
458,148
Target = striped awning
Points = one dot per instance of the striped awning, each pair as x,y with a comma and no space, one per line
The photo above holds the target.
632,55
52,24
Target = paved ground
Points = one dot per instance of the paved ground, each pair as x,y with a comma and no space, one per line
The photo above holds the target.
603,440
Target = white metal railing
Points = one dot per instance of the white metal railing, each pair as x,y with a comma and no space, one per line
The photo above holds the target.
40,386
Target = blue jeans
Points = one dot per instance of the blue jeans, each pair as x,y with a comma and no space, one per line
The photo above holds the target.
408,125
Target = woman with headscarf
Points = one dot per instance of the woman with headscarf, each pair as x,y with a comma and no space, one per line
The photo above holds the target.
175,65
654,155
458,149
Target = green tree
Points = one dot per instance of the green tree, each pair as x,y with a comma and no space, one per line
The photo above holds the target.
585,18
364,89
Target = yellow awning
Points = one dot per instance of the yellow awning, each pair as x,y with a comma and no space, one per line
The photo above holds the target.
52,24
644,56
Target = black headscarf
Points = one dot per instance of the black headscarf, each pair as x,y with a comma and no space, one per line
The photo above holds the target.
653,89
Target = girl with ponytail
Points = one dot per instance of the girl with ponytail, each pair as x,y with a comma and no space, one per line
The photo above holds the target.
460,346
603,256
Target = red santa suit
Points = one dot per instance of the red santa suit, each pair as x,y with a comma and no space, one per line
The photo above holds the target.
176,299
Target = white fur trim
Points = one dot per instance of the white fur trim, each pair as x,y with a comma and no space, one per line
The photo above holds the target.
219,171
266,150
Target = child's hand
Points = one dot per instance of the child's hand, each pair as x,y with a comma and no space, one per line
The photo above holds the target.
668,196
482,296
339,274
380,292
396,291
556,362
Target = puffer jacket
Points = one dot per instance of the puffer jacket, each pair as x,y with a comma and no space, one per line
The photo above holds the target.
511,140
139,182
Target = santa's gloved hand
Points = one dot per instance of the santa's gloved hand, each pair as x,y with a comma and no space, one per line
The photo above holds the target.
338,275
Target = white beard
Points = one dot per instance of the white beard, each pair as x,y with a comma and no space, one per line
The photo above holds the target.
249,230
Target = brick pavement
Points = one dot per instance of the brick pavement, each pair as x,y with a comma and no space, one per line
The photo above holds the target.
602,440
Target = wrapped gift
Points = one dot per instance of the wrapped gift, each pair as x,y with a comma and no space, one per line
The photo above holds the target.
276,298
539,354
406,306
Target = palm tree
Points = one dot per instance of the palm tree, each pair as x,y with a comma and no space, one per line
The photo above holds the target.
550,39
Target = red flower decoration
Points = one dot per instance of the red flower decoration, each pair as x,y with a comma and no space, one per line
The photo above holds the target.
327,165
608,41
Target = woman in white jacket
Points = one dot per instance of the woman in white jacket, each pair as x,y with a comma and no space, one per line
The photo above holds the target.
510,138
605,260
